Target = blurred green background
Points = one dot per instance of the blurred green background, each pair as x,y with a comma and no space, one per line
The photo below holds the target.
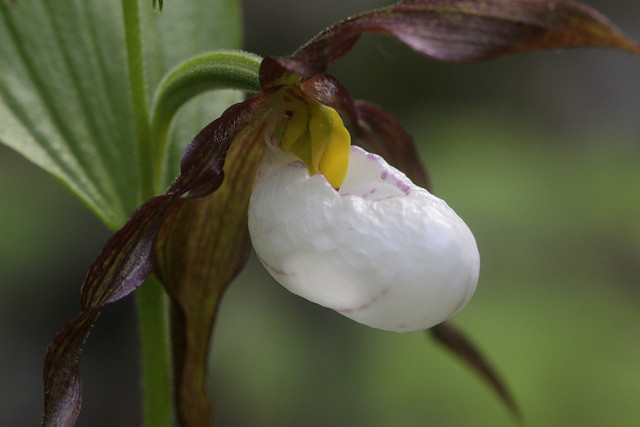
539,153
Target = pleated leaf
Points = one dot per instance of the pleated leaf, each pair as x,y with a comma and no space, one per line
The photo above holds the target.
65,100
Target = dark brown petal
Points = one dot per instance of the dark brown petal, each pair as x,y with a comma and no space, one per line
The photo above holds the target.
460,31
378,130
461,346
62,381
373,128
123,264
203,159
329,91
125,261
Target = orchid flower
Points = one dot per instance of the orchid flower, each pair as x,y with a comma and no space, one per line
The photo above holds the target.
330,221
379,249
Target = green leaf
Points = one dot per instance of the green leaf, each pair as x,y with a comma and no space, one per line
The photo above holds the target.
65,100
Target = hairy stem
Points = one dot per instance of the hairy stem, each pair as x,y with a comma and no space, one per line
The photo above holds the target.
218,70
137,83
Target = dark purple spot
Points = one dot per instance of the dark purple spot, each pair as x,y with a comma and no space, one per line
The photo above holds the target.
404,187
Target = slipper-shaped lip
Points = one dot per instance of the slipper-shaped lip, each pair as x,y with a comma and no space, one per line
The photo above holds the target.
380,250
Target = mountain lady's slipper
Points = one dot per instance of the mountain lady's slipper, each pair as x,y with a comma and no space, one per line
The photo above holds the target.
359,237
330,222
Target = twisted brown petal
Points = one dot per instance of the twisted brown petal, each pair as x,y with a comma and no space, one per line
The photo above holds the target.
459,31
378,130
125,261
455,341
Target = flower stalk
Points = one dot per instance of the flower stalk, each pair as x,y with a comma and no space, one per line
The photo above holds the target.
155,354
138,87
151,300
212,71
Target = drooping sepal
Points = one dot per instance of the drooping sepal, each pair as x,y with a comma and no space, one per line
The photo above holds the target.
125,261
461,346
62,380
202,245
380,131
330,91
459,31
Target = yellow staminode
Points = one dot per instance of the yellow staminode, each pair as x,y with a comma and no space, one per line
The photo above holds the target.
316,134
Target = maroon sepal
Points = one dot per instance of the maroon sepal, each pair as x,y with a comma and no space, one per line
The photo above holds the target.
330,91
200,248
373,128
461,346
125,261
378,130
459,31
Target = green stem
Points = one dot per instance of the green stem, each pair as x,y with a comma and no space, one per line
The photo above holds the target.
155,353
138,85
218,70
152,304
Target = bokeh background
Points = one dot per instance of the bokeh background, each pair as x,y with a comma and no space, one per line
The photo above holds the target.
539,153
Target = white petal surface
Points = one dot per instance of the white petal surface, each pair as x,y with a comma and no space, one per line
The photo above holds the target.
381,250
